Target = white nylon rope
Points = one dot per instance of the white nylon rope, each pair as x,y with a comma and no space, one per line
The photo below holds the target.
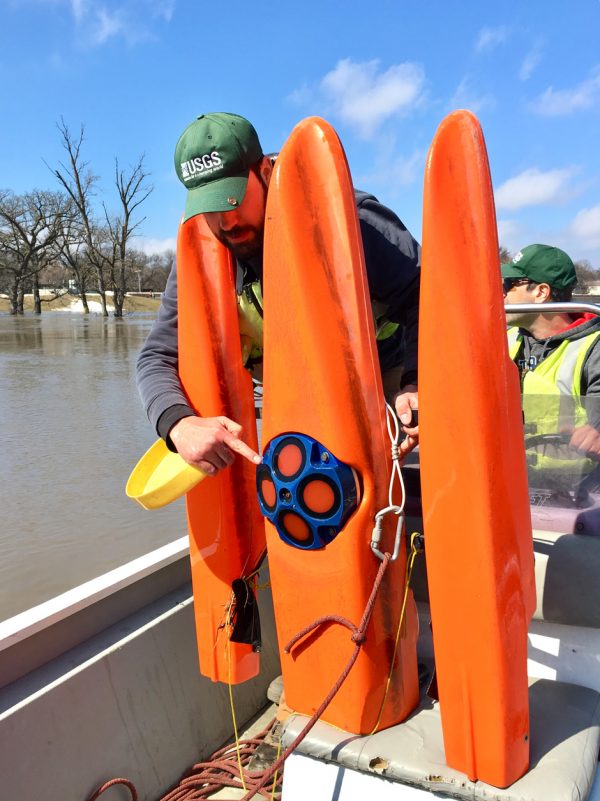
393,427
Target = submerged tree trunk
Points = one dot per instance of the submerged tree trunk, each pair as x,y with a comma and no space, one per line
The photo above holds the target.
14,297
102,291
86,308
120,283
37,301
20,299
118,299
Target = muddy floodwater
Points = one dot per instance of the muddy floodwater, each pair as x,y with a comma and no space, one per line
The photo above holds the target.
71,428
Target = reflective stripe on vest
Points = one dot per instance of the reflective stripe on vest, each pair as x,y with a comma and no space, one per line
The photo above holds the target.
251,322
552,396
384,328
514,342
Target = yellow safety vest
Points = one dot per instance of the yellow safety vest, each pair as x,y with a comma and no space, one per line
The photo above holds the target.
251,322
384,328
552,399
250,303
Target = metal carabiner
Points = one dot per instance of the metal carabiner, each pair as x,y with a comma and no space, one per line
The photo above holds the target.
378,530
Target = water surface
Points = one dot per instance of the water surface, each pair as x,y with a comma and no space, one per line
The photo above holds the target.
72,427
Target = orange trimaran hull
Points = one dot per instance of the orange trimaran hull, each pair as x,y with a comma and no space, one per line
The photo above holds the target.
225,525
476,509
321,378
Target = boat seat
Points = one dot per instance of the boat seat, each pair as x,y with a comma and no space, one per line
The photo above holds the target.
565,739
567,567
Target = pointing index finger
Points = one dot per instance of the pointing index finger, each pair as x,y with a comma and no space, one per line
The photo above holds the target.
240,447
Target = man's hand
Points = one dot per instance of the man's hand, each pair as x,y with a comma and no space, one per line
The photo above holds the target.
405,401
210,443
586,441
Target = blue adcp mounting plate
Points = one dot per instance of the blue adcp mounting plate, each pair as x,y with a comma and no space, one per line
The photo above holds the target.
305,491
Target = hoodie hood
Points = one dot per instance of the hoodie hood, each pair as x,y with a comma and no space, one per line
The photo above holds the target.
584,324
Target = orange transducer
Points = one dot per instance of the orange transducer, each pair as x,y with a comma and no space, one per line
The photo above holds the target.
476,512
326,451
227,539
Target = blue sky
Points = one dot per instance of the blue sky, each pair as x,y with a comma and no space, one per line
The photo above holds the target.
384,73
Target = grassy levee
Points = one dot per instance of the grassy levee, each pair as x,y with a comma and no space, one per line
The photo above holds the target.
133,303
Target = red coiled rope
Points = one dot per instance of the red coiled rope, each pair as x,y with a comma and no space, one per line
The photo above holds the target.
205,778
358,637
130,786
221,770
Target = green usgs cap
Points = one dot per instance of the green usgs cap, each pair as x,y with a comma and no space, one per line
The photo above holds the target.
542,264
212,160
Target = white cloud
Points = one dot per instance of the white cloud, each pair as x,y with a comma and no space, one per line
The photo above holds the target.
509,234
150,246
533,187
364,97
107,25
531,61
586,226
392,171
100,21
580,239
164,9
466,97
489,38
405,170
79,9
301,96
560,102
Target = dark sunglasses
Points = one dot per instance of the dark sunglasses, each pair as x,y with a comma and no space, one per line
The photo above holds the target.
509,283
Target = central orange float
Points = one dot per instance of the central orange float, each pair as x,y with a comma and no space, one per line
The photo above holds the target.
322,380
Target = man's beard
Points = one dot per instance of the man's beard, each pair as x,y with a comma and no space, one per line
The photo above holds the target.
250,247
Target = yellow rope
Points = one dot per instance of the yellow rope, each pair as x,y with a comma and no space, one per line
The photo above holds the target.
257,586
409,568
276,772
235,729
227,631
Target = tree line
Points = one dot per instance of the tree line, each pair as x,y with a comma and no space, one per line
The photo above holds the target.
68,238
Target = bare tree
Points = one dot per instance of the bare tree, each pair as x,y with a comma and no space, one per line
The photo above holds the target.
162,264
586,276
54,278
81,184
72,255
505,254
133,189
29,228
105,245
149,272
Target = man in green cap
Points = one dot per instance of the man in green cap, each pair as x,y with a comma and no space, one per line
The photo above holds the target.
557,354
220,161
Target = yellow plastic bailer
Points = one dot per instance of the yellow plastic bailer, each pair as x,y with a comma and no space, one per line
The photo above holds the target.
160,477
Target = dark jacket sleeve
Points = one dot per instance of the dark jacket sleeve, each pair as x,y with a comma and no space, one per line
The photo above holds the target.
157,375
393,260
